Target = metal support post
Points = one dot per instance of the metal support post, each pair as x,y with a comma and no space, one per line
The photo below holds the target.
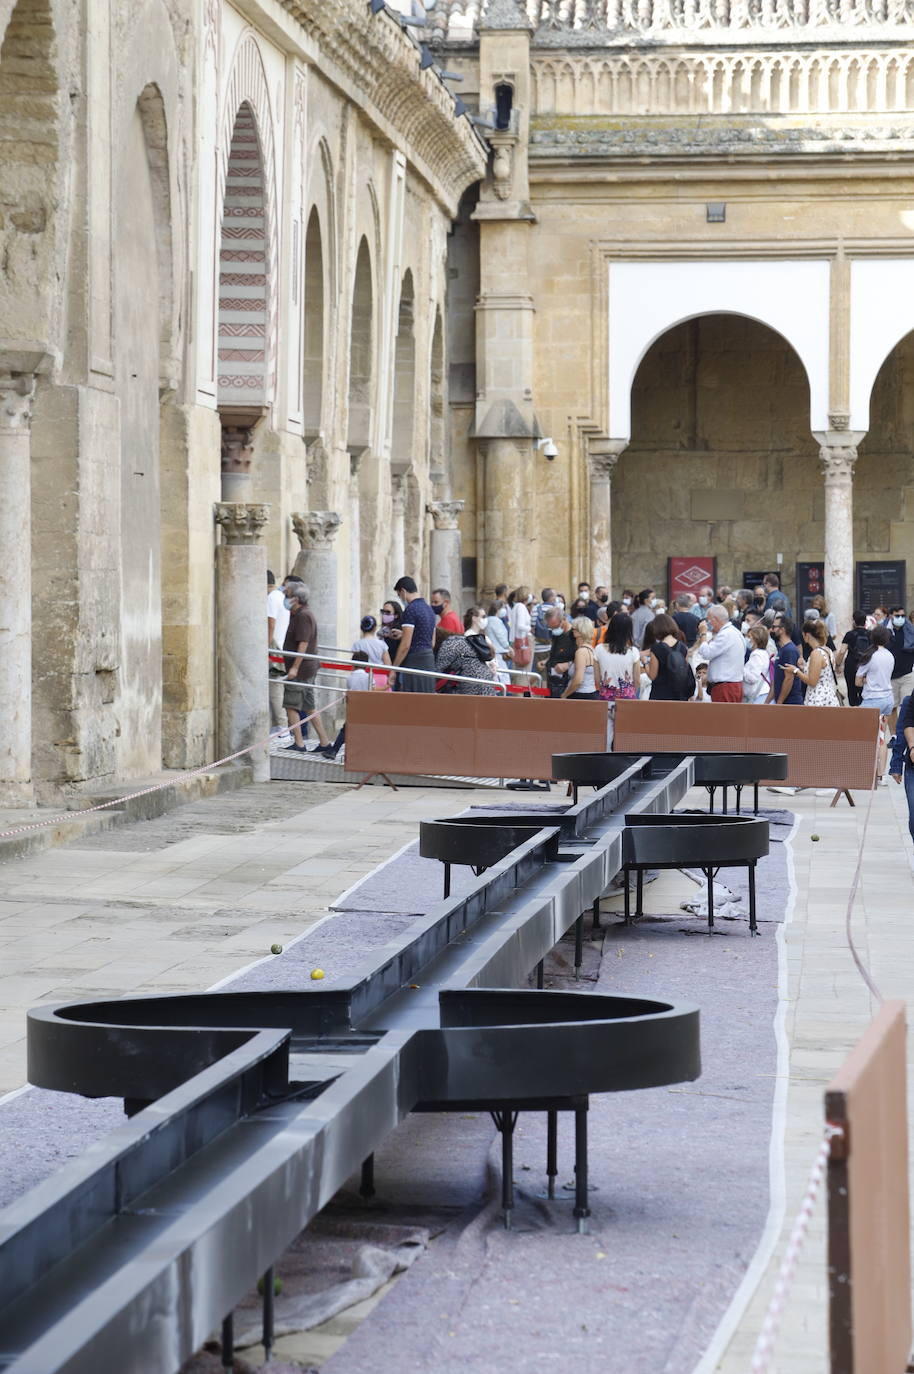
639,904
228,1343
506,1120
581,1210
447,879
540,974
578,945
596,916
269,1282
552,1152
709,874
366,1186
626,874
753,923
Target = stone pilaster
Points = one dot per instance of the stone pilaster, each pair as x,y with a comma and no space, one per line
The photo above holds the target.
398,529
602,459
242,673
316,566
445,545
16,392
355,539
838,454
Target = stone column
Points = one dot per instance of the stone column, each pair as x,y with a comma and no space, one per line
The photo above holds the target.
398,530
16,392
508,554
838,454
316,565
355,542
445,545
242,697
602,459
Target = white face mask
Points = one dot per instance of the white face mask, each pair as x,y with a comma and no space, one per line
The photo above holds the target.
483,621
626,601
898,620
702,601
653,602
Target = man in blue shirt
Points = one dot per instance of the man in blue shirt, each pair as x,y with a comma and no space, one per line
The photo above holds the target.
902,764
775,599
417,634
787,689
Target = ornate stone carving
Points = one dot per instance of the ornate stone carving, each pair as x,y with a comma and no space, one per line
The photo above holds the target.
237,448
505,15
241,522
838,463
17,390
602,465
503,164
446,514
839,420
316,529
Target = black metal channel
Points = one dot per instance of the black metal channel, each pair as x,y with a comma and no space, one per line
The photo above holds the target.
262,1105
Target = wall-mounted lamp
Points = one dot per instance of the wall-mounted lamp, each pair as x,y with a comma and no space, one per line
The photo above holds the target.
548,448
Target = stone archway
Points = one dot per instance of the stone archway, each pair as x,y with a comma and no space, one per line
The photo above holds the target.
314,329
721,457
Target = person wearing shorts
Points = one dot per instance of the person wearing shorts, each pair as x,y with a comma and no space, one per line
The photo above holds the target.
298,690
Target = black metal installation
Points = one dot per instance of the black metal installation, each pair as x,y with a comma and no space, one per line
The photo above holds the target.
248,1111
713,770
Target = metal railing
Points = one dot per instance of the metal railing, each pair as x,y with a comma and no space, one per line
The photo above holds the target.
382,668
372,668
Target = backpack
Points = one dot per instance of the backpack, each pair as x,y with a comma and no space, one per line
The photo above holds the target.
681,677
860,642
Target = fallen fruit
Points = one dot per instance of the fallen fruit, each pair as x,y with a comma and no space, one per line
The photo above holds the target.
813,837
277,1286
317,973
276,949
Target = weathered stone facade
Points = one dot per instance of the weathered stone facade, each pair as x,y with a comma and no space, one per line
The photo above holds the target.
223,294
694,261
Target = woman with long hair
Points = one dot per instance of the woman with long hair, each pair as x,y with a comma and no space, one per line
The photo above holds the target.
584,677
618,660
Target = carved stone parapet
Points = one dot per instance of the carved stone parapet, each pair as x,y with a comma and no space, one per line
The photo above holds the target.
242,522
316,529
17,390
445,514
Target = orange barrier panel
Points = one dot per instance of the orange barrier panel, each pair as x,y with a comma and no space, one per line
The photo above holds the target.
464,736
827,746
869,1262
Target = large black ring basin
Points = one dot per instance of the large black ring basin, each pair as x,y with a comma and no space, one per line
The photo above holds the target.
481,841
693,841
718,767
595,769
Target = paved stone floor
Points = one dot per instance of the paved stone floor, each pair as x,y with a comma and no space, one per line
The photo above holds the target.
183,901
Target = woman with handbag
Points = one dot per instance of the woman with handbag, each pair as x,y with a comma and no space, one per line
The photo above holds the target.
469,655
818,670
520,628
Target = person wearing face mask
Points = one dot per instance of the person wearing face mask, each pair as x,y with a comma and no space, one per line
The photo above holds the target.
448,620
497,635
644,614
901,645
469,655
561,652
520,627
298,690
628,600
374,648
390,624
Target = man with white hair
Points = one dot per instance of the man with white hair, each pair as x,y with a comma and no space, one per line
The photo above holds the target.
723,648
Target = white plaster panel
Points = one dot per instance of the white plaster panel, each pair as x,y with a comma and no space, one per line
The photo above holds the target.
882,313
648,298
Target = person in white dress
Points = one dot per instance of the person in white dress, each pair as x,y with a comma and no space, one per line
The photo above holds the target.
520,628
618,660
757,670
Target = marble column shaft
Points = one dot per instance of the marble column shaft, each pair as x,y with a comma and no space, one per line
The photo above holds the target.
444,553
16,392
242,672
316,566
838,458
601,463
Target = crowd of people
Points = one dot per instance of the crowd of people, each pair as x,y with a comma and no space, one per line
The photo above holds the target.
715,645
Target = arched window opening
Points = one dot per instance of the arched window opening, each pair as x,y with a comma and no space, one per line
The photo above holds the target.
360,353
243,269
405,378
313,385
504,105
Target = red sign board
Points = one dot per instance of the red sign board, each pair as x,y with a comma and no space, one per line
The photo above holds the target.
690,575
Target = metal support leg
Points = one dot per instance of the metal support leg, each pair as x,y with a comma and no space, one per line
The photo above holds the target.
366,1187
552,1152
639,904
578,945
228,1343
709,873
738,786
627,874
753,924
447,880
506,1121
755,797
268,1323
540,974
724,811
581,1210
710,790
596,916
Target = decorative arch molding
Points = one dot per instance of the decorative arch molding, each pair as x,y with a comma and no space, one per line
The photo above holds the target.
247,87
151,109
647,299
881,315
320,196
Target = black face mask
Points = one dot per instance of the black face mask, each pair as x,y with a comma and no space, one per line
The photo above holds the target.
437,608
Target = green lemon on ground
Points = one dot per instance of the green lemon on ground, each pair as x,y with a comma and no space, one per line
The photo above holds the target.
276,949
813,837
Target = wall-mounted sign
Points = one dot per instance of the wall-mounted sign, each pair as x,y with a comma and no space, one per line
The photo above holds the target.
810,583
690,574
881,584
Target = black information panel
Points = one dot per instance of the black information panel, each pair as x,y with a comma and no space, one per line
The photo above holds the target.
810,583
751,580
881,584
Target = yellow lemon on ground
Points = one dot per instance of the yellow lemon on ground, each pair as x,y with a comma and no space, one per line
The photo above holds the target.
317,973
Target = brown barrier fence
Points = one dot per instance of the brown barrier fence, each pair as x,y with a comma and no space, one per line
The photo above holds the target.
826,746
869,1265
476,737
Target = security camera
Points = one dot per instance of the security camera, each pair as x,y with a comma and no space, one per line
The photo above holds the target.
548,448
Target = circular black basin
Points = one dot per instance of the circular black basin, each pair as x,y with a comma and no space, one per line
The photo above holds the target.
479,841
591,770
684,840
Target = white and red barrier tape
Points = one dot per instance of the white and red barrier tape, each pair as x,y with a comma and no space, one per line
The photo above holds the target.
159,786
764,1346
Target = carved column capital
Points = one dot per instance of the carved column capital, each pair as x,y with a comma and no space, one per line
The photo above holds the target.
445,514
398,495
242,522
17,391
601,466
316,529
838,463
